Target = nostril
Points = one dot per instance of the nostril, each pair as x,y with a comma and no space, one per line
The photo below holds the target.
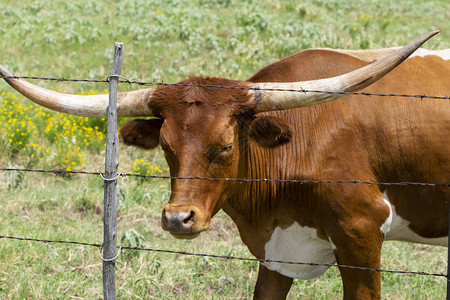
189,218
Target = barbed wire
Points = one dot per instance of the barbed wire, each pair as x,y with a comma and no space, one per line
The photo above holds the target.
61,79
293,90
299,181
228,257
125,80
55,172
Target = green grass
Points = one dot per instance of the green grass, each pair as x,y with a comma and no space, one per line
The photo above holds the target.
39,271
166,40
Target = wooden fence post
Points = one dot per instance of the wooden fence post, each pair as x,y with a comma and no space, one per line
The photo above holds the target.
111,164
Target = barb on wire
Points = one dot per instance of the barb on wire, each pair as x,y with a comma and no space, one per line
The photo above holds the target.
126,80
228,257
299,181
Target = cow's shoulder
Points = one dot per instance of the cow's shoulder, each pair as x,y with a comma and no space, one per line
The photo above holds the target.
309,64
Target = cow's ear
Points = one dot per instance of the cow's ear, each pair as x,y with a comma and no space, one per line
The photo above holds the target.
270,131
141,133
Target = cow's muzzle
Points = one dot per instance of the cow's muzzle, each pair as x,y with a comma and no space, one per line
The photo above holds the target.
184,221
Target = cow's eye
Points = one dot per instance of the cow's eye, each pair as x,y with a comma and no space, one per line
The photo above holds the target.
219,155
226,148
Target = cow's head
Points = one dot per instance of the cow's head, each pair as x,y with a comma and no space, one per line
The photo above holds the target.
202,130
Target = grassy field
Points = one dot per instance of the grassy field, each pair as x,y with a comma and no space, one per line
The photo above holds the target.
164,41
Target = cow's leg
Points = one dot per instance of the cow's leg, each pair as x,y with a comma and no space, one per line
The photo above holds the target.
271,284
364,250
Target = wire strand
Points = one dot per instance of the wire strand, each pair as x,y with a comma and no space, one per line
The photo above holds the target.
299,181
126,80
228,257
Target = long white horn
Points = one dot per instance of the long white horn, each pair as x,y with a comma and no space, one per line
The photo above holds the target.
131,104
351,82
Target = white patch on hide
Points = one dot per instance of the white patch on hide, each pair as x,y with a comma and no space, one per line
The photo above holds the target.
386,227
400,231
444,54
298,244
373,55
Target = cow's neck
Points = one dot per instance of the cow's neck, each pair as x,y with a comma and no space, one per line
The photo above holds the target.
259,207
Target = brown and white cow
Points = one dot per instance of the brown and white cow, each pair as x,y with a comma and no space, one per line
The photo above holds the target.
240,133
